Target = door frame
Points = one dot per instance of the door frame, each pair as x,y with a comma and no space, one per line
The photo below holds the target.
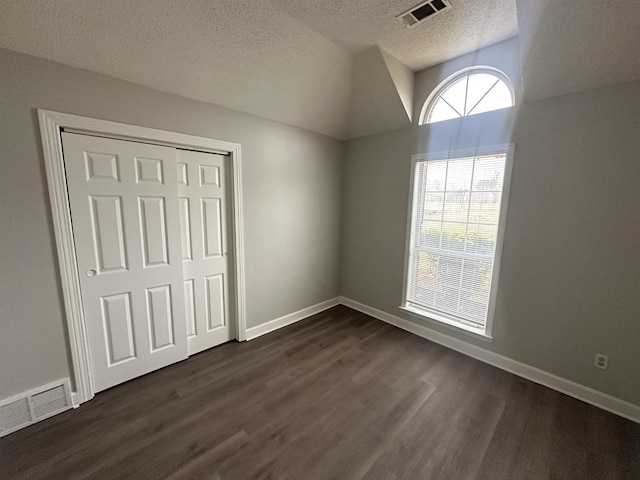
52,124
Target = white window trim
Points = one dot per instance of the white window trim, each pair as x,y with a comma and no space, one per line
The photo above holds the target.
439,318
429,102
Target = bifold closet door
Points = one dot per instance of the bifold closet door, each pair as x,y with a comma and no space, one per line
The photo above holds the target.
124,211
202,188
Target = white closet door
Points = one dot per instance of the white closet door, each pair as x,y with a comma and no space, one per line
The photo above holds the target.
124,210
203,220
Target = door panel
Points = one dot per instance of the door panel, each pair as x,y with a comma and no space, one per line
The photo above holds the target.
190,307
154,230
126,226
185,228
159,317
108,233
214,285
212,227
101,167
203,200
118,327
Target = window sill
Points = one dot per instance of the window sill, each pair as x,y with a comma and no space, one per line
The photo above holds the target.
442,320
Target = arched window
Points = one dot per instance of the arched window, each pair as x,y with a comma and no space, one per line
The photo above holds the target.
468,92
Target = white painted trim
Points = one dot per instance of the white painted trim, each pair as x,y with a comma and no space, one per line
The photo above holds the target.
444,321
51,126
478,151
270,326
426,106
237,222
581,392
60,210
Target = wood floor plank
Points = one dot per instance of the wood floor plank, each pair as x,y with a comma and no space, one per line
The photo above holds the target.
499,459
336,396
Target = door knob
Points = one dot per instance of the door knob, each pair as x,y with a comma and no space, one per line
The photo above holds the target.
91,272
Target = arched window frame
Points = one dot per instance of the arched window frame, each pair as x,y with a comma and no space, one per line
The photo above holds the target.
450,80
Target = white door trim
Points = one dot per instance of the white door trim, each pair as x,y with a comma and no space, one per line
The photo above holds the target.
51,126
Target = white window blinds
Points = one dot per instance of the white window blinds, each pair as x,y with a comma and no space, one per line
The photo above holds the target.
454,232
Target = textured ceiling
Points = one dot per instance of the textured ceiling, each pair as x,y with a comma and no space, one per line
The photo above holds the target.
244,55
359,24
571,46
285,60
293,60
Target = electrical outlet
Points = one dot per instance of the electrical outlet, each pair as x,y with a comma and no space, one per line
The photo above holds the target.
602,361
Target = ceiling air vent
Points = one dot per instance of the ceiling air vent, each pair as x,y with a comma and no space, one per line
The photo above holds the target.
421,12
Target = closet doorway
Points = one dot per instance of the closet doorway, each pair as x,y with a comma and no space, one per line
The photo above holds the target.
148,230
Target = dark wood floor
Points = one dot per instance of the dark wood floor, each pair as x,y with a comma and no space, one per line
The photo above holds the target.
337,396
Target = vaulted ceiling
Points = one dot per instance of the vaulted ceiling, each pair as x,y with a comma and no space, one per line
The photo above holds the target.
285,60
339,67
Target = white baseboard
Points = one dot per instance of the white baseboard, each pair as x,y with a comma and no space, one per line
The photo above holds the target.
573,389
270,326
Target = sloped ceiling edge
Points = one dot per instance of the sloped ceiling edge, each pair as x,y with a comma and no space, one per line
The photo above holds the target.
376,103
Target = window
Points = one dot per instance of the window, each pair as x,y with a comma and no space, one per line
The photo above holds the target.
457,215
467,93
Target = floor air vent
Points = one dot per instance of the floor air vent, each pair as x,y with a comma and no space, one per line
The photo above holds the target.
27,408
421,12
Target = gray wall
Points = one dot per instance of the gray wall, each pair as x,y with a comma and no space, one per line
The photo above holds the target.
291,200
570,277
569,282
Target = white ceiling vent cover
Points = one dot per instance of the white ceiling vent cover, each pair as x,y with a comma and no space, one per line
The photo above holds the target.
31,407
425,10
